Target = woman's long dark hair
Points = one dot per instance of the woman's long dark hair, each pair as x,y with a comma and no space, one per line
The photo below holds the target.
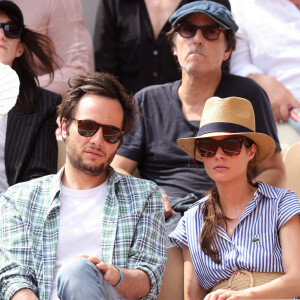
212,214
41,46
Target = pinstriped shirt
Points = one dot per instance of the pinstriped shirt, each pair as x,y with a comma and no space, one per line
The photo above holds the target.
254,244
132,232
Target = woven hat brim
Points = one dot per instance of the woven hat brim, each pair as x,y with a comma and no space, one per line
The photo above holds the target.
265,145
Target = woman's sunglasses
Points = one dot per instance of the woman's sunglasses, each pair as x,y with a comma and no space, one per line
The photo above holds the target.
12,30
231,146
111,134
188,30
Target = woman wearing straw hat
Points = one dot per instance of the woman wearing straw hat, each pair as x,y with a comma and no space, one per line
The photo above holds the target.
243,239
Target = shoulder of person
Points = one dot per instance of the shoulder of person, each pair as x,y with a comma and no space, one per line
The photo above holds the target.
274,192
197,206
246,88
135,182
47,100
49,97
27,191
241,80
156,91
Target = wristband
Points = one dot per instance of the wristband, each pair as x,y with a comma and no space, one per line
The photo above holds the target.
121,279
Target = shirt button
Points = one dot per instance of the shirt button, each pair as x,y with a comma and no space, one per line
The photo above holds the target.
155,52
155,74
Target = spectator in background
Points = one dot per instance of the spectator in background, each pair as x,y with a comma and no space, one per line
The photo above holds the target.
130,41
267,50
63,22
28,147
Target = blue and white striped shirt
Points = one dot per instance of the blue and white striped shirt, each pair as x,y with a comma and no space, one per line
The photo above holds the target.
254,244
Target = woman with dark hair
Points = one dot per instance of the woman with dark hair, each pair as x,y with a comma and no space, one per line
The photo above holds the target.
241,241
29,148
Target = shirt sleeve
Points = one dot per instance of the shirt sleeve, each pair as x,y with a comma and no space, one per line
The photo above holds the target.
179,235
16,258
148,250
134,143
288,207
240,62
73,43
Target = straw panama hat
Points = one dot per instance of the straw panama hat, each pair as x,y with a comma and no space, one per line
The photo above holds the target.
229,116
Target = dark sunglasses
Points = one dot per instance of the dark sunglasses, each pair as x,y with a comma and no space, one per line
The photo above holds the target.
12,30
188,30
231,146
111,134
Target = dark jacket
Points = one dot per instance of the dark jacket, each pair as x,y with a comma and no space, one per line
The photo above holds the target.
30,145
125,45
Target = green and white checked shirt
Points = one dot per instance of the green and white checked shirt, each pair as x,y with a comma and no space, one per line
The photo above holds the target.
132,232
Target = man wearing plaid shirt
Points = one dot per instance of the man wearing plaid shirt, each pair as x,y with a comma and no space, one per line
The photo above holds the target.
86,232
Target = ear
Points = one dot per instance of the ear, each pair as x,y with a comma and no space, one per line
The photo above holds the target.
20,50
252,151
64,129
174,47
227,53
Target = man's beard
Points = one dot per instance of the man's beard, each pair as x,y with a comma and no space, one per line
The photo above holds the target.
77,162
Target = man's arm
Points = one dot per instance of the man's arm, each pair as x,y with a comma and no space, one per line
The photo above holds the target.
24,294
135,283
124,165
272,171
280,97
16,259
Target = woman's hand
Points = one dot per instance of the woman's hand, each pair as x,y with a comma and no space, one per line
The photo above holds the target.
229,295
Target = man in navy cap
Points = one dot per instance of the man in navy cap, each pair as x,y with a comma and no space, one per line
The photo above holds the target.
202,38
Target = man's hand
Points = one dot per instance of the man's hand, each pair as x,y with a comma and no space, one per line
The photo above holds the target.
135,284
280,97
110,273
168,208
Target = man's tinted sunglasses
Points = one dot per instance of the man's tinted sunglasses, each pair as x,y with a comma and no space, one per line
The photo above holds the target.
188,30
111,134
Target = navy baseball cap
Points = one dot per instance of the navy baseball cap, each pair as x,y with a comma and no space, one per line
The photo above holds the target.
11,7
216,11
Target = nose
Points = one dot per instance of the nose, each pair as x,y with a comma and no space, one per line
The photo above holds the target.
2,34
198,37
98,139
220,153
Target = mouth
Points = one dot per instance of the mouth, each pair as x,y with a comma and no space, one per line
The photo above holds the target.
220,167
196,51
94,153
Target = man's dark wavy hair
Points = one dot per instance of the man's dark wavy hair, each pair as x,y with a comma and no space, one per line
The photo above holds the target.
102,84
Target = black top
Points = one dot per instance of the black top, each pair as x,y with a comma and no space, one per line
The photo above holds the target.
125,45
30,145
153,141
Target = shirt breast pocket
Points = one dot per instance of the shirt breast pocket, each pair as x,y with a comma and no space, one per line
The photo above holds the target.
260,252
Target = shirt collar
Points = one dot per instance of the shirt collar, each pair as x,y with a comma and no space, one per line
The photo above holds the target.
113,178
265,190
